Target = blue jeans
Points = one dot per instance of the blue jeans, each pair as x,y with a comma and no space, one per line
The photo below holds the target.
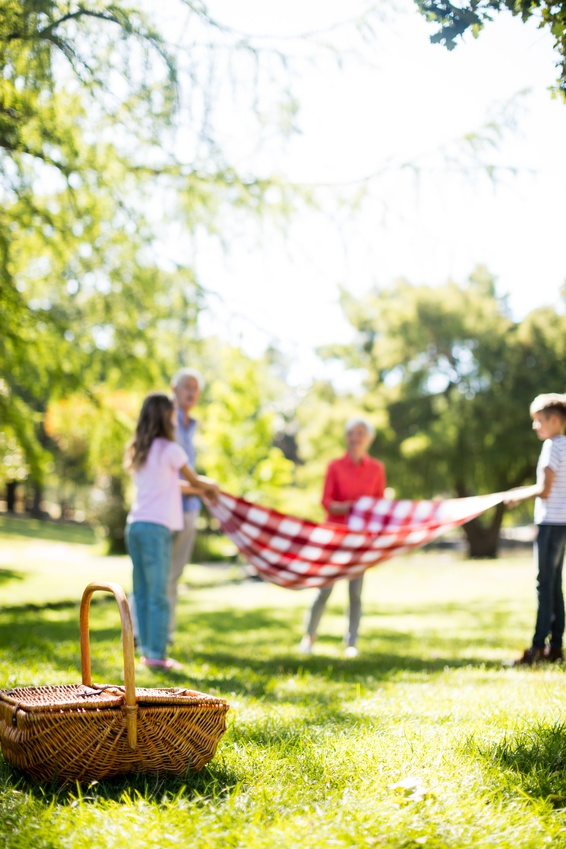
149,546
549,552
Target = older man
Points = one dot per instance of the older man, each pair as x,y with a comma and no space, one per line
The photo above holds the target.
187,385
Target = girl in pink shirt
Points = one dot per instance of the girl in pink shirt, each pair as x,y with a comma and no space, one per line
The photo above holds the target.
155,460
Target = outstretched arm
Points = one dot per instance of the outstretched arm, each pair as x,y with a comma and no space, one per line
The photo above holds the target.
202,485
541,489
187,488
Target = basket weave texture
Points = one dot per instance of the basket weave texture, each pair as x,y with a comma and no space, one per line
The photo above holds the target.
83,732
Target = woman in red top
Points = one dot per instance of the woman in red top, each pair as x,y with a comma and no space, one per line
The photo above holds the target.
347,479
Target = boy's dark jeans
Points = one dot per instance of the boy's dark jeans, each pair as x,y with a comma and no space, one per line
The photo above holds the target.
549,552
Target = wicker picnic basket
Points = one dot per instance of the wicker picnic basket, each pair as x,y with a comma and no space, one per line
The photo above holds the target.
83,732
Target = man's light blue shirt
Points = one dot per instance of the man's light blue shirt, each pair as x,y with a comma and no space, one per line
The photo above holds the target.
185,435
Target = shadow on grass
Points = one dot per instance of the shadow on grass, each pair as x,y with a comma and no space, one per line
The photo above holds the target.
17,610
253,677
533,762
46,529
235,580
213,783
243,650
7,575
295,737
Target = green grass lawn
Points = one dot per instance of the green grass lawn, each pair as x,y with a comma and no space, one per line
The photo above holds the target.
426,739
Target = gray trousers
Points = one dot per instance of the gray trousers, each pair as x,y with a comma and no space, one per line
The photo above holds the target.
183,544
354,615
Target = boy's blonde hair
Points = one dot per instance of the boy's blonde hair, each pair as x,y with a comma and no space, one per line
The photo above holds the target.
549,402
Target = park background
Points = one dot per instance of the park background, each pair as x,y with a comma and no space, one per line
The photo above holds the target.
325,214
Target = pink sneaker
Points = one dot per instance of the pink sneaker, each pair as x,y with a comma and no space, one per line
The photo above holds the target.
165,663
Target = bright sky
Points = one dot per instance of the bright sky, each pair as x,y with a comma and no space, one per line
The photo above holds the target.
413,100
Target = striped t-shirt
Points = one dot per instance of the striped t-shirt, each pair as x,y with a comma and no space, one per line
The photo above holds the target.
552,510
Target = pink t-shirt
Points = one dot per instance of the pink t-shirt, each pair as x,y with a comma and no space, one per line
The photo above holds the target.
158,494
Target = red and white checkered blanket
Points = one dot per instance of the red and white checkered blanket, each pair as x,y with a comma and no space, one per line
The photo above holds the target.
295,553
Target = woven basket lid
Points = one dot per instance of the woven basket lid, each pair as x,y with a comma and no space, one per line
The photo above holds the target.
73,696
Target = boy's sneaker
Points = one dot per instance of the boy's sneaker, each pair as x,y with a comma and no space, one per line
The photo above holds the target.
552,655
530,657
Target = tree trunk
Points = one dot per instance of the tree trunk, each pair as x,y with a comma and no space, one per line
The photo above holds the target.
36,481
483,540
112,513
36,499
11,494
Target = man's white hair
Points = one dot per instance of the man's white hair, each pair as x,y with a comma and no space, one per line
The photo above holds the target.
184,373
359,420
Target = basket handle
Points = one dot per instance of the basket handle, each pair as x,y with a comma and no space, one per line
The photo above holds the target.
131,707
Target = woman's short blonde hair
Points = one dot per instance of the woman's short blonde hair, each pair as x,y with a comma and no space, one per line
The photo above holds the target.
359,420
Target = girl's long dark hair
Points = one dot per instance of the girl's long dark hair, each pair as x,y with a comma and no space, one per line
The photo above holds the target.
155,420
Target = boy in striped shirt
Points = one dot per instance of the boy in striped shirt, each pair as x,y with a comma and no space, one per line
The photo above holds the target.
548,413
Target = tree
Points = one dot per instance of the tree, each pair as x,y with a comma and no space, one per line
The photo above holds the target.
455,20
71,234
91,176
88,437
109,161
455,375
239,426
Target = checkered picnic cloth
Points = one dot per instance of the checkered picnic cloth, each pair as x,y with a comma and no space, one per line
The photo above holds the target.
297,554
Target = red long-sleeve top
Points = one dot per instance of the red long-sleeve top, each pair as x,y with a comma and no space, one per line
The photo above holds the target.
348,481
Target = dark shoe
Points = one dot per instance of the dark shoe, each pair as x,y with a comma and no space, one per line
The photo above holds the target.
552,655
530,657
